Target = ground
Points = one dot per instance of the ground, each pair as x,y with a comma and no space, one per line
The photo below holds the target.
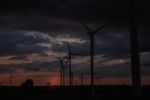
71,93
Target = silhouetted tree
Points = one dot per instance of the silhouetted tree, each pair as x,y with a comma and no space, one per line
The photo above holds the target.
48,83
28,84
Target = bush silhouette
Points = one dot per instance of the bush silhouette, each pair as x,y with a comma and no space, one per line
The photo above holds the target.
28,84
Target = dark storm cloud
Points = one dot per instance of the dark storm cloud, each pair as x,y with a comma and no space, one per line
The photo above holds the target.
4,69
112,70
40,66
44,66
76,48
60,17
111,45
19,57
37,14
21,43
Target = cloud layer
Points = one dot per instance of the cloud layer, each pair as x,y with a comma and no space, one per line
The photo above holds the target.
41,27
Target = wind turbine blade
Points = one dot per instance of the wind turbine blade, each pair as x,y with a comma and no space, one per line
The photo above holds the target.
68,46
67,61
53,56
64,58
86,27
100,28
75,54
58,58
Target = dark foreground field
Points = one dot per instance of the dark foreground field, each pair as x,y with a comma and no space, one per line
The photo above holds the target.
72,93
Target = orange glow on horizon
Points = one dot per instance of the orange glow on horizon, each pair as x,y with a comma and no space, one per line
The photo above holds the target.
54,79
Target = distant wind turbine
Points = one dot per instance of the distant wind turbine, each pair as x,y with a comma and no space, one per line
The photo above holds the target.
69,61
98,79
62,69
10,79
82,79
73,77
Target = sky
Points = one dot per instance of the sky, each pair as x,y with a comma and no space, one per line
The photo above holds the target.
31,31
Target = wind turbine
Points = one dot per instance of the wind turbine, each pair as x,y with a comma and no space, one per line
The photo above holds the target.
76,73
82,79
70,63
10,79
62,69
135,57
92,34
73,76
98,79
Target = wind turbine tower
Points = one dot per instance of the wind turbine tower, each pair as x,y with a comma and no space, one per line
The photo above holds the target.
70,64
92,34
135,57
10,79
